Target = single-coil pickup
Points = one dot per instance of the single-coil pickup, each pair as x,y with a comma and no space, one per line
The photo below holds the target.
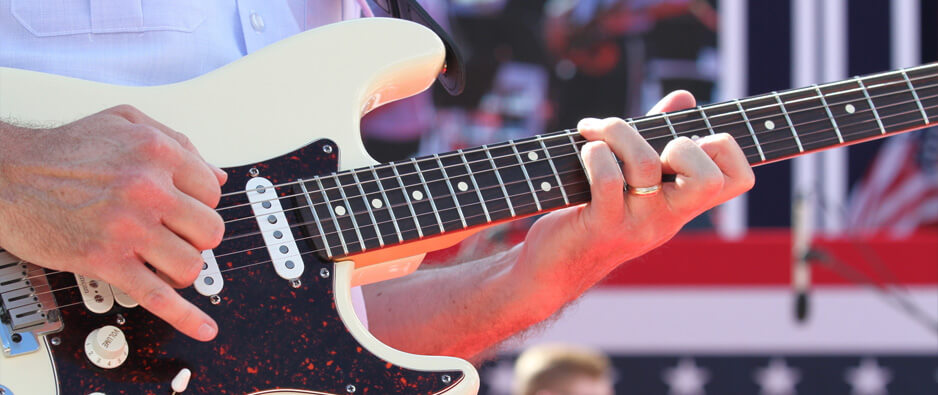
209,282
274,227
96,294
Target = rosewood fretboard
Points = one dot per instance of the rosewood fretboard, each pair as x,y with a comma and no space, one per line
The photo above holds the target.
363,209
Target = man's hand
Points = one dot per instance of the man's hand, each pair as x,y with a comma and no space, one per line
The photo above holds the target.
104,194
574,248
462,310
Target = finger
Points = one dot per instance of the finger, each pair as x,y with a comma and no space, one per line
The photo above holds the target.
698,180
159,298
195,222
193,178
172,255
606,183
674,101
641,164
136,116
729,157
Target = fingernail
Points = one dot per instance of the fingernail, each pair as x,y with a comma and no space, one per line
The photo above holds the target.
207,332
588,123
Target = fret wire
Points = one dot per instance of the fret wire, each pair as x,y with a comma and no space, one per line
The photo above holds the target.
410,204
312,208
472,177
361,240
554,169
384,195
576,151
706,120
915,95
870,101
449,183
498,176
670,126
524,171
788,119
829,113
436,212
338,229
751,130
368,208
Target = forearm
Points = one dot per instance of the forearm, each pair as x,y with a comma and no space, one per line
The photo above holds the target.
459,310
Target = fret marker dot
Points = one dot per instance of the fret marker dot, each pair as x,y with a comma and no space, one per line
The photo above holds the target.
417,195
462,186
850,109
376,203
532,155
769,125
694,137
339,210
545,186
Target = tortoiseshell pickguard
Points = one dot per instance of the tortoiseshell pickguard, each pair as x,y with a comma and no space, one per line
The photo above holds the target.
272,336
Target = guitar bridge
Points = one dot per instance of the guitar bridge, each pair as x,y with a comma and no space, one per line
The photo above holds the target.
27,307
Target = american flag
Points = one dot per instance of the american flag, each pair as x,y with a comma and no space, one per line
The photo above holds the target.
900,193
700,315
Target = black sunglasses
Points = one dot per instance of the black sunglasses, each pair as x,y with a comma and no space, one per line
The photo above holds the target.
453,77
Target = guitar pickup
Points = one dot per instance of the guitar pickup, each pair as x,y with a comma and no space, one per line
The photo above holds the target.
209,282
96,294
278,237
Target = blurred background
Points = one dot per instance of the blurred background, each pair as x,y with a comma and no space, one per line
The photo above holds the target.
714,311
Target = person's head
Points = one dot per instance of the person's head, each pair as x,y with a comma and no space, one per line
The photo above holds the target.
562,370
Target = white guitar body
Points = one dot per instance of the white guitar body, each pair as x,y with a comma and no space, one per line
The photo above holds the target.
315,85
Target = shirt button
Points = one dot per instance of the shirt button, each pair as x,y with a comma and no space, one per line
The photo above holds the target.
257,22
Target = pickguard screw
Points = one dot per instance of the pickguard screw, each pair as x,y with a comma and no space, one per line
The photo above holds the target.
215,299
295,283
121,320
16,338
328,149
55,341
254,172
324,273
350,388
446,379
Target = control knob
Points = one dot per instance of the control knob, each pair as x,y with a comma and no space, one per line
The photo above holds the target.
106,347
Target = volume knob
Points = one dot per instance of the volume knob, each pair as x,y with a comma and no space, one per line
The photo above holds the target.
106,347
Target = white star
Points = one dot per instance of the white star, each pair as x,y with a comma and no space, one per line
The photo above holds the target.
777,378
686,378
868,378
500,378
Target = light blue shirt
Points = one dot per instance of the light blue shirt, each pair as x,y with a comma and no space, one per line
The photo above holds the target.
150,42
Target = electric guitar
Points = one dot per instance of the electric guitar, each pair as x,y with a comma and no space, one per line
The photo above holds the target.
309,214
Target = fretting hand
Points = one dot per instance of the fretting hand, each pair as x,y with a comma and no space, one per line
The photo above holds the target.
104,194
574,248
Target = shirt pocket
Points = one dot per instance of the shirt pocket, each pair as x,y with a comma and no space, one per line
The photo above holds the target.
45,18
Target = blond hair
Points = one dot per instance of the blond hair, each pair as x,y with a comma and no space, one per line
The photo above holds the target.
548,366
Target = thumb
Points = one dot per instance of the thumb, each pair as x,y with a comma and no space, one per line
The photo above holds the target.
677,100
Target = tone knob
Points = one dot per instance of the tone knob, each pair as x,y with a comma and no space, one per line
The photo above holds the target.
106,347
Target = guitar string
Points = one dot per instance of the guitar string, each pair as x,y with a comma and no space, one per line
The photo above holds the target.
567,132
433,226
447,179
360,213
317,251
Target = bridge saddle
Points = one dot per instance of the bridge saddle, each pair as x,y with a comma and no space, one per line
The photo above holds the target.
27,307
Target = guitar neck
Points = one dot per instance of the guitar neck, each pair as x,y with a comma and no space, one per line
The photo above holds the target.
408,200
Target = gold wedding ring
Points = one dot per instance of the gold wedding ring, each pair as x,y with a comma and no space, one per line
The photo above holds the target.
643,191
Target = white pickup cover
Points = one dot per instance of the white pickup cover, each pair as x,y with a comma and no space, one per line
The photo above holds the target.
95,293
274,227
209,282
